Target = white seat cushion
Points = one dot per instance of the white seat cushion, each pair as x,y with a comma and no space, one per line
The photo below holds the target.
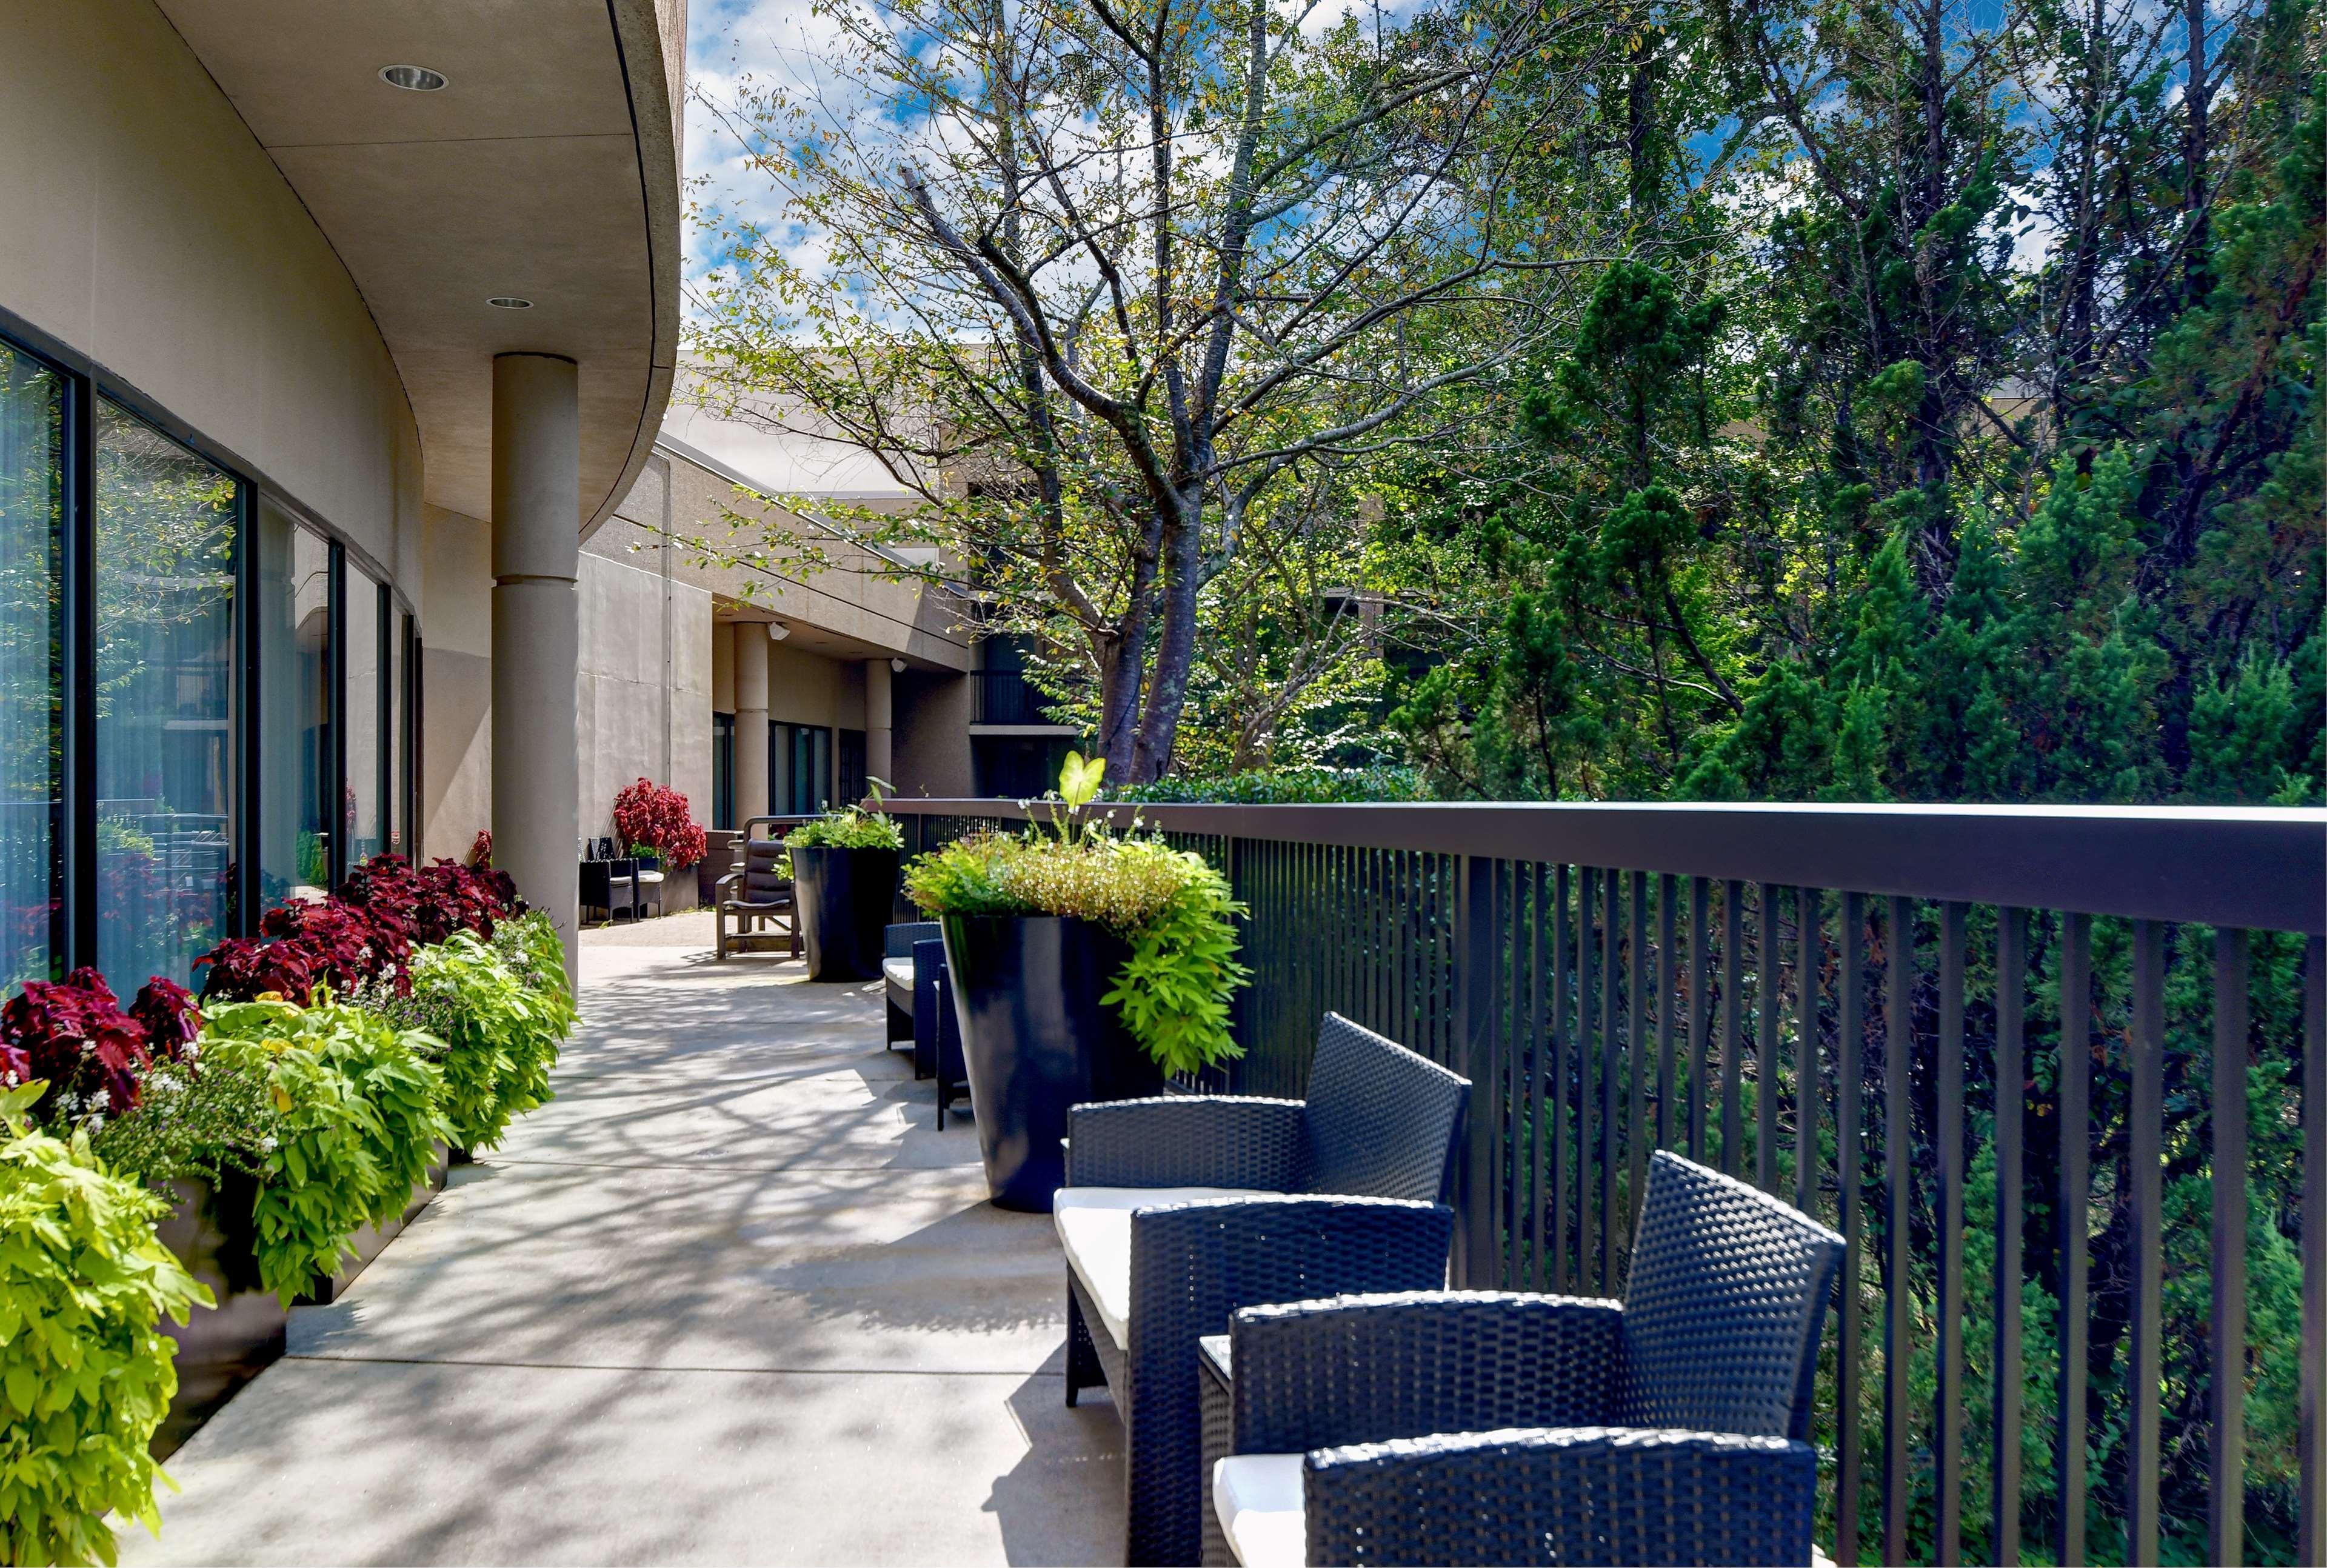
1095,1228
650,878
899,971
1258,1496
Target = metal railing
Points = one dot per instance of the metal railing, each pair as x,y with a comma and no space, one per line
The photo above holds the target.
1006,697
1824,1001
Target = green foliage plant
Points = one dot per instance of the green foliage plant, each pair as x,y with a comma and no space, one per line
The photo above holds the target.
849,827
493,1015
86,1373
1172,907
361,1107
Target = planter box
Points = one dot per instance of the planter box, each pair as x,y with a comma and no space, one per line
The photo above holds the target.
1035,1039
221,1348
371,1239
843,898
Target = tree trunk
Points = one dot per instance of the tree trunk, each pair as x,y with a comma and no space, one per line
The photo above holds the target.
1176,651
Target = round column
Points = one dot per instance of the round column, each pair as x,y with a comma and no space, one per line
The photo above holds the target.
752,797
536,542
879,709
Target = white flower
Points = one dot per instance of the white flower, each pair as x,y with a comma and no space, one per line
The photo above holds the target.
101,1100
267,1145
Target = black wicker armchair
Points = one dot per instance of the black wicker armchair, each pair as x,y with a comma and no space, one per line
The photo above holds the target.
898,965
1455,1427
1178,1210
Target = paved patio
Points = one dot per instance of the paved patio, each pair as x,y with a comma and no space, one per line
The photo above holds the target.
729,1298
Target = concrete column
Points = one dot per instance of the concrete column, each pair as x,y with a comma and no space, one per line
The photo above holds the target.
752,782
879,754
536,543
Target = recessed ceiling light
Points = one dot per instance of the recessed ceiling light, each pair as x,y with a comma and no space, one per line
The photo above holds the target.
411,78
510,303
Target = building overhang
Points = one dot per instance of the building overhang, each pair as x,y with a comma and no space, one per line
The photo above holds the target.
545,169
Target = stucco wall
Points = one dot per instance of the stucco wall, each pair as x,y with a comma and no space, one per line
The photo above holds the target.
805,688
456,746
146,229
643,705
932,734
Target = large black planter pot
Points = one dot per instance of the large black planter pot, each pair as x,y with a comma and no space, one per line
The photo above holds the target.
223,1346
1036,1038
844,897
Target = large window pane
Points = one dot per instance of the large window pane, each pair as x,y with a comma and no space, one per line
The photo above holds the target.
392,805
165,565
363,717
31,519
295,730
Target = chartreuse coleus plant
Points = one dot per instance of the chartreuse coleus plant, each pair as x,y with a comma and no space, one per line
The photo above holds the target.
1174,909
499,1011
86,1373
360,1102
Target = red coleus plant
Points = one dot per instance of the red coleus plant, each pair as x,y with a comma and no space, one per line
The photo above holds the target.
649,815
73,1033
366,932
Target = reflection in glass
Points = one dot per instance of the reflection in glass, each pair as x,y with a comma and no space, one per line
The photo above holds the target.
32,514
164,568
294,732
391,777
362,711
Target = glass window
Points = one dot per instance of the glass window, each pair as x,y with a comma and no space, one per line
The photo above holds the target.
32,521
391,772
362,801
164,570
295,730
722,770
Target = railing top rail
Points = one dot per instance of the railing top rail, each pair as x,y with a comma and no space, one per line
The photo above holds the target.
2260,868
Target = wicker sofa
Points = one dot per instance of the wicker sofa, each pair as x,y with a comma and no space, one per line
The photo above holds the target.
1178,1210
1453,1427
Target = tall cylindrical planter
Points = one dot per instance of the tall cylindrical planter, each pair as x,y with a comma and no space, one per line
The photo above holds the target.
1035,1039
844,900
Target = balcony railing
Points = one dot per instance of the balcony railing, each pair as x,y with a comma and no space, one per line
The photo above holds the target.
1825,1001
1006,697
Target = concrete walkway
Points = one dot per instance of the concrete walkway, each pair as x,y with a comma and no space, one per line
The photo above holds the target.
730,1298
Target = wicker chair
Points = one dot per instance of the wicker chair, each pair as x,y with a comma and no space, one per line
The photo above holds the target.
899,962
1179,1211
1447,1427
756,894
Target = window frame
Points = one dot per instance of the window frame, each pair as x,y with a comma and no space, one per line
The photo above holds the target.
73,930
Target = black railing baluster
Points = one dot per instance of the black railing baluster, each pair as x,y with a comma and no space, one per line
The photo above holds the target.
1611,1063
1541,1143
1636,1050
1668,917
1563,1056
1809,1082
1767,992
1733,985
1474,1012
2145,1135
2074,1072
2010,1075
1699,938
1850,1040
1898,1170
1587,1037
1947,1169
2226,1397
2312,1439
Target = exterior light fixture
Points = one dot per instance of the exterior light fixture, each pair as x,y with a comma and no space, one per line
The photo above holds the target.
897,665
510,303
411,78
778,631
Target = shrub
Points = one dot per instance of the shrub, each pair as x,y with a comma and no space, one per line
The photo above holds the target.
363,934
360,1104
850,827
649,815
86,1375
1172,906
495,1014
1305,786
